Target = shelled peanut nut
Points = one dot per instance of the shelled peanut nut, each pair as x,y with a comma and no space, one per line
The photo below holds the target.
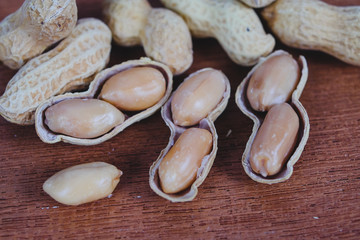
83,183
279,135
182,167
163,34
236,27
197,97
71,65
273,82
35,26
134,89
83,118
178,169
144,84
275,140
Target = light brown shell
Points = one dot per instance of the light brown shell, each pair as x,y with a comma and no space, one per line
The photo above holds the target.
236,26
258,3
207,162
257,117
48,136
316,25
36,25
163,33
69,66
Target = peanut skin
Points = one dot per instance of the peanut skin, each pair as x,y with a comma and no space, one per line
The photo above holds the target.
316,25
178,169
275,140
163,34
235,25
36,25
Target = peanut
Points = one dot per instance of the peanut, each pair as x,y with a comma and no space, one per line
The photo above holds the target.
316,25
236,26
197,97
35,26
69,66
83,183
178,169
134,89
257,3
275,140
163,34
83,118
273,82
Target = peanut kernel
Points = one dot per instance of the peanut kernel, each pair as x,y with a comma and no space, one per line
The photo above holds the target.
178,169
275,140
83,183
134,89
197,97
83,118
273,82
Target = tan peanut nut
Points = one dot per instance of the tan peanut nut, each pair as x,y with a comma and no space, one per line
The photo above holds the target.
134,89
316,25
197,97
178,169
69,66
257,3
83,183
83,118
273,82
236,26
35,26
275,140
163,34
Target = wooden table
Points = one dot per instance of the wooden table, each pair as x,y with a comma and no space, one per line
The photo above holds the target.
320,200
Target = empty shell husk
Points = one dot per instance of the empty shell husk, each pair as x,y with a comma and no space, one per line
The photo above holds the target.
207,162
49,136
258,117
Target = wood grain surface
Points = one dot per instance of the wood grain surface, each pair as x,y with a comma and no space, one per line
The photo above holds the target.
320,200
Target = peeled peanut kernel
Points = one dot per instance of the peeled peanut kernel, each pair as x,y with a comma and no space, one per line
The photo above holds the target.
273,82
134,89
275,140
83,183
178,169
197,97
83,118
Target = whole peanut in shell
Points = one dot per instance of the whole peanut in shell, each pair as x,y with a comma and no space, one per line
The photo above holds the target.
236,27
163,34
70,65
35,26
316,25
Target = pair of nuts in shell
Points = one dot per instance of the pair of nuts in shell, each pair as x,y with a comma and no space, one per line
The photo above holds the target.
190,114
117,98
269,95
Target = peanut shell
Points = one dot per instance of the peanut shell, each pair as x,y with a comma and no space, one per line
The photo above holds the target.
35,26
69,66
258,118
258,3
316,25
207,162
48,136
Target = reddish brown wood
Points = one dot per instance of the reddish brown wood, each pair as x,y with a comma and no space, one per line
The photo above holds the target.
321,199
